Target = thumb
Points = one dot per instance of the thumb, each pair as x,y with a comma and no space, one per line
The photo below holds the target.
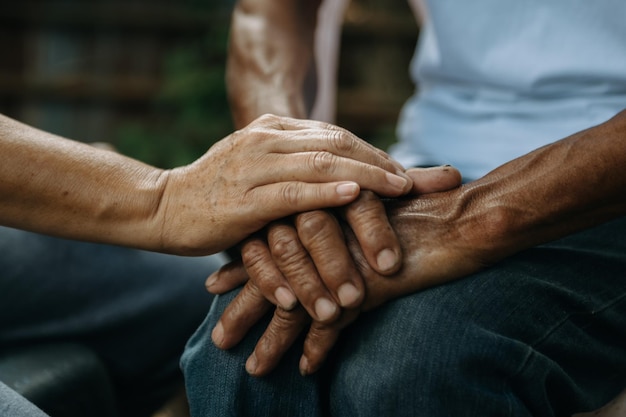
434,179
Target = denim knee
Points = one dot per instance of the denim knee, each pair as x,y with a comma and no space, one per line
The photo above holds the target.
426,353
512,340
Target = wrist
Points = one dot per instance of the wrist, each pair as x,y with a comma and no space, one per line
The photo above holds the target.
450,234
147,215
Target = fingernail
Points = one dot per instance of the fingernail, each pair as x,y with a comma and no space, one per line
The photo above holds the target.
397,181
304,366
251,364
285,298
386,260
211,281
325,309
218,334
348,294
347,189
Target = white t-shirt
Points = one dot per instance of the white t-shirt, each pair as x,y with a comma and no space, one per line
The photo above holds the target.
499,78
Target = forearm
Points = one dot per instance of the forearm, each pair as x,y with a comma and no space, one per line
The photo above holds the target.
64,188
562,188
271,58
559,189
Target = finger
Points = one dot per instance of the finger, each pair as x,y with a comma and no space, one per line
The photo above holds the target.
321,235
328,137
287,198
228,277
320,340
434,179
297,267
280,334
246,309
322,154
324,166
368,220
262,270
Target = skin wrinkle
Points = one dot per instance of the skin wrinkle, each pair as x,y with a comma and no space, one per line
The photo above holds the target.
161,183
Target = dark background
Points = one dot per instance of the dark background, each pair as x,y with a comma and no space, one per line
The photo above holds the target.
148,76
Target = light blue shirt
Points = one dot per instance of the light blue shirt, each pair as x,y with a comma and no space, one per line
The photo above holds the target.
499,78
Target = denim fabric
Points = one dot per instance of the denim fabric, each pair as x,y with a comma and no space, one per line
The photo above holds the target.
13,405
135,309
539,334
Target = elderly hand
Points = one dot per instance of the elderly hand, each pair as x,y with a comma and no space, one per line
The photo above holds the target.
326,249
273,168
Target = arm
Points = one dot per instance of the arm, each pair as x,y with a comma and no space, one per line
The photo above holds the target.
65,188
271,58
61,187
559,189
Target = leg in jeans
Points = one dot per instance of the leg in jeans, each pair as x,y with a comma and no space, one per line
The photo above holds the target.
135,309
541,333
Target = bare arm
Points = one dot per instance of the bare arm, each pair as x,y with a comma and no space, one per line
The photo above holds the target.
65,188
271,58
61,187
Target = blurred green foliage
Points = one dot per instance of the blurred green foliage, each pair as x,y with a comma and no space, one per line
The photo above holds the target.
191,108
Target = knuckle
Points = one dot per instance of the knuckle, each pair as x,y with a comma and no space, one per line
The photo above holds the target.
283,328
321,234
291,257
243,307
367,207
340,140
291,193
322,162
306,287
253,254
263,128
267,118
312,224
285,319
319,341
367,196
284,248
319,332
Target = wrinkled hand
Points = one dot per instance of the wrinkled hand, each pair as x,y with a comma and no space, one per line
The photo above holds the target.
273,168
250,304
307,259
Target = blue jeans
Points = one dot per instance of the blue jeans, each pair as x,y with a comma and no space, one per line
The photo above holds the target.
135,309
542,333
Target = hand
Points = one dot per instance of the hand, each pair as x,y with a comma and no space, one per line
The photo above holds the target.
273,168
280,334
309,261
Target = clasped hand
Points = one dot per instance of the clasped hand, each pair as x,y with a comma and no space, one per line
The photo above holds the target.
318,274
